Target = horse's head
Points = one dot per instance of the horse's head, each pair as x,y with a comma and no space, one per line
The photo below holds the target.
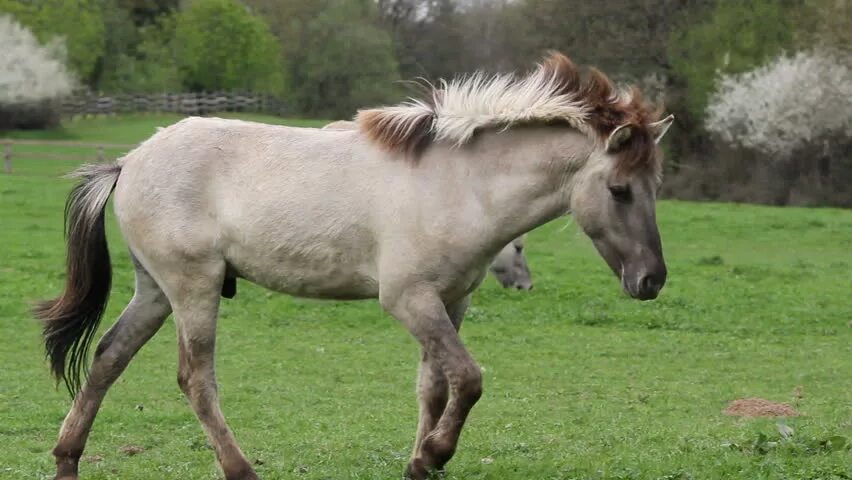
510,266
614,202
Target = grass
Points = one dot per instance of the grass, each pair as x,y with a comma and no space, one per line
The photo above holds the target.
580,382
127,129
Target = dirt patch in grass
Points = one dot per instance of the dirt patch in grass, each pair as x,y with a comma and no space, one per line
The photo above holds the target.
131,450
758,407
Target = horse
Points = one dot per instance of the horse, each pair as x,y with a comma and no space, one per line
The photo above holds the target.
510,266
409,208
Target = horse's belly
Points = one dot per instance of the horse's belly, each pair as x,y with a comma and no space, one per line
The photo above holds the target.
332,275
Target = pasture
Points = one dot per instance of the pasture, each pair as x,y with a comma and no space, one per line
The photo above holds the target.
580,381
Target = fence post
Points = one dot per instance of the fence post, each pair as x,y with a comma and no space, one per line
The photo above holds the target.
101,157
7,156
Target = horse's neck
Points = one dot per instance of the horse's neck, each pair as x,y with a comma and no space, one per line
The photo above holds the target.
524,176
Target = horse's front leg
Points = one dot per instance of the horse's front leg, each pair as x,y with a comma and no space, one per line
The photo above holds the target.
422,312
432,386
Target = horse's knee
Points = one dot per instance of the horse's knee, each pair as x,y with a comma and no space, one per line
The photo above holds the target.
469,384
183,381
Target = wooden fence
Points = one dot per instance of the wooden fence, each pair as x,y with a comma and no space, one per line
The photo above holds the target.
89,103
57,150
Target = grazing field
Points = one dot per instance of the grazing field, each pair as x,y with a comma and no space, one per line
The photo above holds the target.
580,382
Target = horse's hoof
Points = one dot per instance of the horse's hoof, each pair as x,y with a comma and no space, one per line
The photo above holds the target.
66,469
418,470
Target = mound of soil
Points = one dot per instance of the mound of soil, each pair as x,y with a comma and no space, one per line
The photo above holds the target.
758,407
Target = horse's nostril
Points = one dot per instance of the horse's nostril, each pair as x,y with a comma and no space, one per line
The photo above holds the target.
519,287
650,284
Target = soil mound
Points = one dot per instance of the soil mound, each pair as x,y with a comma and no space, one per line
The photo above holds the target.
758,407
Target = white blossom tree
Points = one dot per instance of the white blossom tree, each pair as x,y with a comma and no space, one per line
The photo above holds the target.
792,103
31,74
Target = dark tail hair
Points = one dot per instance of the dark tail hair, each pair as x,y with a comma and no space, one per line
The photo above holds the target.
71,319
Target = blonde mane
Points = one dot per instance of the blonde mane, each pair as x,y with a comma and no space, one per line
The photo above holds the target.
552,93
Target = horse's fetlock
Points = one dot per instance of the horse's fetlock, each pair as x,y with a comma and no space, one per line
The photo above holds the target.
239,470
437,450
67,461
71,452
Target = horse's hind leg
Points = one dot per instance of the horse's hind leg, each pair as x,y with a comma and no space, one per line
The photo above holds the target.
195,299
141,319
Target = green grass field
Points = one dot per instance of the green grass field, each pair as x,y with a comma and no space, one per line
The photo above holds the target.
580,382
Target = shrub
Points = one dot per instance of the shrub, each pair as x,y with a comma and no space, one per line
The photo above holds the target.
32,78
796,112
789,104
79,24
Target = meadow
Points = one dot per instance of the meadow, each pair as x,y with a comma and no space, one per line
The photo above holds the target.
580,381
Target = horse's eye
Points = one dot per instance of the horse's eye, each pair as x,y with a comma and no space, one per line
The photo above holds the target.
621,193
519,249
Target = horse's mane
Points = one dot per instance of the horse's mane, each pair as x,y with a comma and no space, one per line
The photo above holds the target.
552,93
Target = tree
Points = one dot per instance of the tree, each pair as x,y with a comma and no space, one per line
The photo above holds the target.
427,37
78,23
737,37
344,62
826,23
148,64
31,77
147,12
220,44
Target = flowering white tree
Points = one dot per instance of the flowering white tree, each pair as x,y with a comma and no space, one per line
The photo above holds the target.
29,72
791,103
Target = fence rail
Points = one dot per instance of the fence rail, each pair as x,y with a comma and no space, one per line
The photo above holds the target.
96,151
88,103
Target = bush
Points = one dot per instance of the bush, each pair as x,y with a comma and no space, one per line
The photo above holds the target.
796,113
784,106
79,24
220,45
32,78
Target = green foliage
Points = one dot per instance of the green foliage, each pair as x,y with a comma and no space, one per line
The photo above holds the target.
220,44
737,37
79,22
825,23
150,66
344,62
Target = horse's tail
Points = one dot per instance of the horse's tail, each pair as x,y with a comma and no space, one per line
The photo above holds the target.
71,319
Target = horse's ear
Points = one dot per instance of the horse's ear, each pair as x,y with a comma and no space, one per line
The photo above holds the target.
658,129
618,137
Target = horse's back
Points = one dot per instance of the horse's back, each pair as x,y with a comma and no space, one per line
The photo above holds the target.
282,206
